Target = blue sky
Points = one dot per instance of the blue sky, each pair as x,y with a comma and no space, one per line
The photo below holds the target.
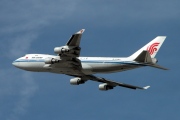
113,28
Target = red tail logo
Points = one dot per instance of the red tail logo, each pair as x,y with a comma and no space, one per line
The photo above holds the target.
152,48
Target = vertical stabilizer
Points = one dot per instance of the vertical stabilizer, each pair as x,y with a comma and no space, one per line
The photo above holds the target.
152,47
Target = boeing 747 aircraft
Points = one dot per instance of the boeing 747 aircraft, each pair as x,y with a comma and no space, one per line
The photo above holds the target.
67,61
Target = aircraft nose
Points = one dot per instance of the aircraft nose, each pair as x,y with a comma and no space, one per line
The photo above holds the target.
15,63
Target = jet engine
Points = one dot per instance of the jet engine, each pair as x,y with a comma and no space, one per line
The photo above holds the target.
60,50
76,81
51,61
105,87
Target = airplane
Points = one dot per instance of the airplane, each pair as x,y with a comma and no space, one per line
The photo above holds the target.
67,61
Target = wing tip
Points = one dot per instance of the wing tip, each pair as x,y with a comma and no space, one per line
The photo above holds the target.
145,88
81,31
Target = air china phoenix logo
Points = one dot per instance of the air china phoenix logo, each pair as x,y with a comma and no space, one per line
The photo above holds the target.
152,48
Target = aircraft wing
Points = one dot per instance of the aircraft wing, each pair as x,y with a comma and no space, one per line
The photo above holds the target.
113,83
71,49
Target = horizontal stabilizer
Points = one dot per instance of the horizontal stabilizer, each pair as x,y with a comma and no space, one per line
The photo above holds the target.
144,57
157,66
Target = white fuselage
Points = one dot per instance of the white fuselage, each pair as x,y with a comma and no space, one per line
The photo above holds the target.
90,65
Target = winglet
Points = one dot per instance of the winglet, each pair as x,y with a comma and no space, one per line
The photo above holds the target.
145,88
81,31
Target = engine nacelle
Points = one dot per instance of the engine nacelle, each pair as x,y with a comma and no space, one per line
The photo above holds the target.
154,60
105,87
76,81
51,61
60,50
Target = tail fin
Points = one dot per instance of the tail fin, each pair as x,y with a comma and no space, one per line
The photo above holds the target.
153,47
